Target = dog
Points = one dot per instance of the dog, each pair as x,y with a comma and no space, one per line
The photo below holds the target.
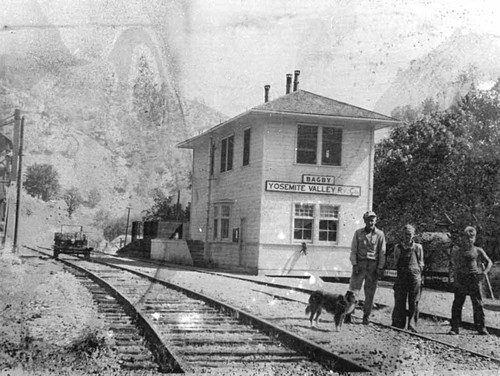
336,304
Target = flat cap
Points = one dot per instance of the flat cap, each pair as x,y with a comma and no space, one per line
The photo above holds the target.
369,214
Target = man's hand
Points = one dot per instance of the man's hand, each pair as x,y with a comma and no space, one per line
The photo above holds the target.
355,269
380,273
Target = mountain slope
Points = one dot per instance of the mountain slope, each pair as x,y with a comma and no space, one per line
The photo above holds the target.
446,72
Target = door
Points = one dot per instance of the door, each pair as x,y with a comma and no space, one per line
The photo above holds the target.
242,240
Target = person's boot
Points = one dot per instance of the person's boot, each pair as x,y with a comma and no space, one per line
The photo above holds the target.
348,318
454,331
365,320
412,329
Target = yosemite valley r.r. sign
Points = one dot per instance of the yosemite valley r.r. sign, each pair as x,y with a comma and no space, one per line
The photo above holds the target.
291,187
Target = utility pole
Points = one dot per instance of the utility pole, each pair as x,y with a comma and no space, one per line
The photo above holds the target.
178,207
126,228
19,177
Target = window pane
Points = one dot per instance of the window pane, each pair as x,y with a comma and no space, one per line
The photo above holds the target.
328,211
230,146
332,146
225,211
307,143
216,211
328,230
246,147
304,210
212,157
302,229
224,228
215,228
223,155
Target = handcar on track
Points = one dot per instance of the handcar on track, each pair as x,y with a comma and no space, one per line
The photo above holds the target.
71,242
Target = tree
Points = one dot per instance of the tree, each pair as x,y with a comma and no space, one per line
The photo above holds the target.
444,169
114,227
164,209
409,114
42,181
93,198
148,96
73,199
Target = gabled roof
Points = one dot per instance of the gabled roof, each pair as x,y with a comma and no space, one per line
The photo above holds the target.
303,102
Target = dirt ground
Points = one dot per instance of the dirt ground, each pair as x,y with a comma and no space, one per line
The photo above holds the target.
41,332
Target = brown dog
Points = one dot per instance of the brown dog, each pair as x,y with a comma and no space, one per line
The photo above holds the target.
336,304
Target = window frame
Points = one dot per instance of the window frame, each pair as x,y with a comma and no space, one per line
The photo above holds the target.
226,153
222,222
297,216
246,146
320,157
326,218
316,218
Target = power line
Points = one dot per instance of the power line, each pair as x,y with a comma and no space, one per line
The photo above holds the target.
4,123
7,28
7,118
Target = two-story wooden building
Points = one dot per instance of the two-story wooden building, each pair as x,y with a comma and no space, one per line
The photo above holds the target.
281,188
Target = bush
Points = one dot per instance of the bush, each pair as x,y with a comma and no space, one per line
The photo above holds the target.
42,181
93,198
114,227
73,199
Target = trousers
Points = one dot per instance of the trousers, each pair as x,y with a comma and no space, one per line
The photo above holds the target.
368,274
467,285
407,288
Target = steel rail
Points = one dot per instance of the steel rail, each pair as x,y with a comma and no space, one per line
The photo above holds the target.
390,327
165,359
312,350
431,316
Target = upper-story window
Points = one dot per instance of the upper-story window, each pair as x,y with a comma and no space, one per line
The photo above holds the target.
226,154
246,147
319,145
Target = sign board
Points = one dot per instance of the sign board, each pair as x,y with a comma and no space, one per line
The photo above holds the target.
325,189
318,179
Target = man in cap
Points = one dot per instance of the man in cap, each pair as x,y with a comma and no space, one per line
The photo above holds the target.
368,260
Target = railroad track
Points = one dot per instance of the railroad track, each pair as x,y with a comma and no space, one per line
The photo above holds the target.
379,347
196,334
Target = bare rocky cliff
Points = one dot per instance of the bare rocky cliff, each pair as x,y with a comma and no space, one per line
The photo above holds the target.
447,72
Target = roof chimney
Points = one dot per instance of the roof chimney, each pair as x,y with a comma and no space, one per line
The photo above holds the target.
266,93
288,83
296,80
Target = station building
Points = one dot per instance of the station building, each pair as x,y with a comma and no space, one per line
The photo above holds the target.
281,188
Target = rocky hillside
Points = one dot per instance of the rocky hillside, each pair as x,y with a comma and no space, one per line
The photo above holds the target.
103,137
448,71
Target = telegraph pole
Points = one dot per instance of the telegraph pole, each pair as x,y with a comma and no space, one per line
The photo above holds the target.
126,228
19,176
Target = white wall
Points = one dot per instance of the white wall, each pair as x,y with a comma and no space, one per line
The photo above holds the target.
278,248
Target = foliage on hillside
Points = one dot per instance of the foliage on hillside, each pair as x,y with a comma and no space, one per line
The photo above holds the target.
442,171
42,181
115,141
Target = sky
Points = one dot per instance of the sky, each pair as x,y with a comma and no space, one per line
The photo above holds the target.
348,50
225,51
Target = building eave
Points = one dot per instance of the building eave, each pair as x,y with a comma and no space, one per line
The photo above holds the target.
188,144
378,123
